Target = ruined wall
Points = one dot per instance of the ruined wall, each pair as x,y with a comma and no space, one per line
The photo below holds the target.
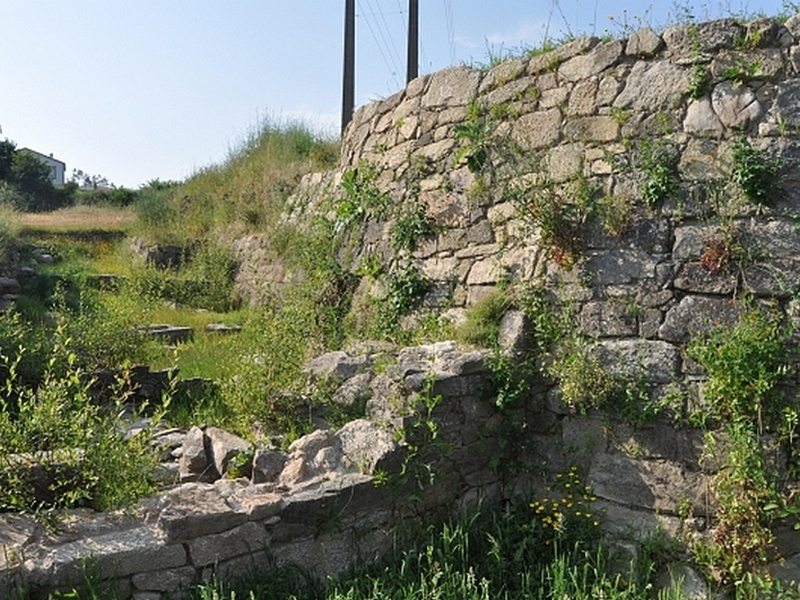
641,286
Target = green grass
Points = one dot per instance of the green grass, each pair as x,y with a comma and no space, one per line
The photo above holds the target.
245,193
538,549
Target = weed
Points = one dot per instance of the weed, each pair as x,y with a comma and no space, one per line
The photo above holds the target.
583,381
511,379
745,365
560,211
482,324
698,81
615,213
475,134
658,161
405,288
362,197
742,71
408,229
756,175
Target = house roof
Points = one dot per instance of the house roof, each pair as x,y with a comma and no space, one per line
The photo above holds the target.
44,156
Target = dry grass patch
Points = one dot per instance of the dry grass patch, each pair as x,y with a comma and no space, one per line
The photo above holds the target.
76,218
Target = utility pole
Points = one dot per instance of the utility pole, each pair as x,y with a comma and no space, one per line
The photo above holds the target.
412,67
349,73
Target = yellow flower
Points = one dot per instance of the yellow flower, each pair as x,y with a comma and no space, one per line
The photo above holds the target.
596,523
577,513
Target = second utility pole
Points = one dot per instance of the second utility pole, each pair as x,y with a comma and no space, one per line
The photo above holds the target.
412,66
349,75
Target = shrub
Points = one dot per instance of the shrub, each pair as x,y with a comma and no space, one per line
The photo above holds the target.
74,452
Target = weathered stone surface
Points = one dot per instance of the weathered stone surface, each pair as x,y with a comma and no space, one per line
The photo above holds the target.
337,364
353,391
314,455
210,549
595,61
167,580
263,507
267,465
654,483
695,277
224,446
9,285
651,360
702,120
787,102
592,129
690,42
736,106
582,98
779,278
116,554
538,129
620,267
607,319
690,242
453,86
194,460
565,161
484,272
513,337
197,509
548,61
643,42
368,447
696,314
655,87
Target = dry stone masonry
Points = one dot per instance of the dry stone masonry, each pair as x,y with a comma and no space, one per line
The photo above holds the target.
641,286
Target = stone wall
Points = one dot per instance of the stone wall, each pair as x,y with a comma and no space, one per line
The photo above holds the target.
642,289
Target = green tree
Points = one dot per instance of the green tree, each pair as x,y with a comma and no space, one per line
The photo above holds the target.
7,150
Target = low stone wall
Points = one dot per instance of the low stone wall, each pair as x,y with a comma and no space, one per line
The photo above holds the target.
337,498
321,507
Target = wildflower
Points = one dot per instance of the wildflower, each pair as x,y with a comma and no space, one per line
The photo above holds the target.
577,513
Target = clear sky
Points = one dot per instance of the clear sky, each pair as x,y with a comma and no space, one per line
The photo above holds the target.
136,90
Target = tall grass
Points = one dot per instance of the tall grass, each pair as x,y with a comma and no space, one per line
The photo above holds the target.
244,193
498,554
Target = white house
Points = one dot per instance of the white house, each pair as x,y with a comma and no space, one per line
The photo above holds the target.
58,169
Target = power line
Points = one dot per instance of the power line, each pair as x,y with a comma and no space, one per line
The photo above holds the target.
381,43
389,35
448,17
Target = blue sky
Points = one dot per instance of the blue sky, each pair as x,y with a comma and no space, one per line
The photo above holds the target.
142,89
